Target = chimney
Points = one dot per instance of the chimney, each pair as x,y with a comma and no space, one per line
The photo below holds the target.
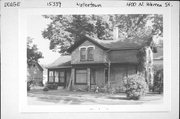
115,33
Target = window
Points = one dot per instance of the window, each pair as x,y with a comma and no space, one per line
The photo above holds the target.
90,53
83,54
93,77
81,76
51,76
56,77
62,76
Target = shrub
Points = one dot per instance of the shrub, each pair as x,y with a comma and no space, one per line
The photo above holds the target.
135,86
29,84
40,83
45,89
52,86
158,81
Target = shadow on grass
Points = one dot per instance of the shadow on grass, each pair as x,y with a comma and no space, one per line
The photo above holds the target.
119,98
64,100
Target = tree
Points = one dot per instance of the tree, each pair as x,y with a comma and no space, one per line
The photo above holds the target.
65,30
32,52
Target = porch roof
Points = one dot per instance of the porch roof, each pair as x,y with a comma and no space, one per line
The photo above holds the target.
61,62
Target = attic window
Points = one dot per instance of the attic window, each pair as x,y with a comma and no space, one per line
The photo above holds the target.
90,52
83,54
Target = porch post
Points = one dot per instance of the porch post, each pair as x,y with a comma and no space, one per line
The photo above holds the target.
109,73
48,76
71,81
73,76
88,78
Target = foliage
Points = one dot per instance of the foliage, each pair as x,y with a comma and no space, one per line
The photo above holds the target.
40,83
29,84
108,88
158,79
45,89
52,86
135,86
32,52
65,30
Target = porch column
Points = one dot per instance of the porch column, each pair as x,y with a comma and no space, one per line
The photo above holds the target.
71,81
48,76
109,73
88,78
73,76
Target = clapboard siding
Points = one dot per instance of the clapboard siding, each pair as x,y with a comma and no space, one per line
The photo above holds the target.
99,54
123,56
119,72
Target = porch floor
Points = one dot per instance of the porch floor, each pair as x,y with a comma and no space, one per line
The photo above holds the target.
37,96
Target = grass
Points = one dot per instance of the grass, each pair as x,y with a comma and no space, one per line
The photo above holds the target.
62,96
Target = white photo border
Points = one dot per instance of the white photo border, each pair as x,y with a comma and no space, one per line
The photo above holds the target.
22,71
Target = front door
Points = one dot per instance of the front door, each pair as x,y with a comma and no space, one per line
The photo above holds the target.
106,75
92,77
62,78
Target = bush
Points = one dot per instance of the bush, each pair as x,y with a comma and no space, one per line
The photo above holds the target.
29,84
52,86
45,89
158,81
40,83
135,86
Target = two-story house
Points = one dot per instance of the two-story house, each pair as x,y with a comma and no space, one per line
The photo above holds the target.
96,62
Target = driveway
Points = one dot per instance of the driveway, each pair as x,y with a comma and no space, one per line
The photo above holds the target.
65,97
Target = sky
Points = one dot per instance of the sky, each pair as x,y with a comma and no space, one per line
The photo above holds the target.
35,25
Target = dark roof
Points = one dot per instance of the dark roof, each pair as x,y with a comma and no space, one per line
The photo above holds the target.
61,62
39,66
113,44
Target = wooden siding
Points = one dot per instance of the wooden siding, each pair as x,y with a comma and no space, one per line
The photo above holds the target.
100,77
99,54
123,56
116,76
119,72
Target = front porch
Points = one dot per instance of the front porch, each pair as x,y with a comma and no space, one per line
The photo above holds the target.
81,76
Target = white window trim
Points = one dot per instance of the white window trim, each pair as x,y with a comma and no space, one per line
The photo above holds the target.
89,46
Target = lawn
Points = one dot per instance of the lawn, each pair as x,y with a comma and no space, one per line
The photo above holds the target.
37,96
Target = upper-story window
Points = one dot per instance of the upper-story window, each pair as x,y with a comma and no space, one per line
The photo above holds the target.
83,54
87,53
90,53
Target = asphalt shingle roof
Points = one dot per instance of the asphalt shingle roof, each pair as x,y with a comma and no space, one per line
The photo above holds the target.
61,62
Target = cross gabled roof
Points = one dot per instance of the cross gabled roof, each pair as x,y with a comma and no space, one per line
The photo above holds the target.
112,44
